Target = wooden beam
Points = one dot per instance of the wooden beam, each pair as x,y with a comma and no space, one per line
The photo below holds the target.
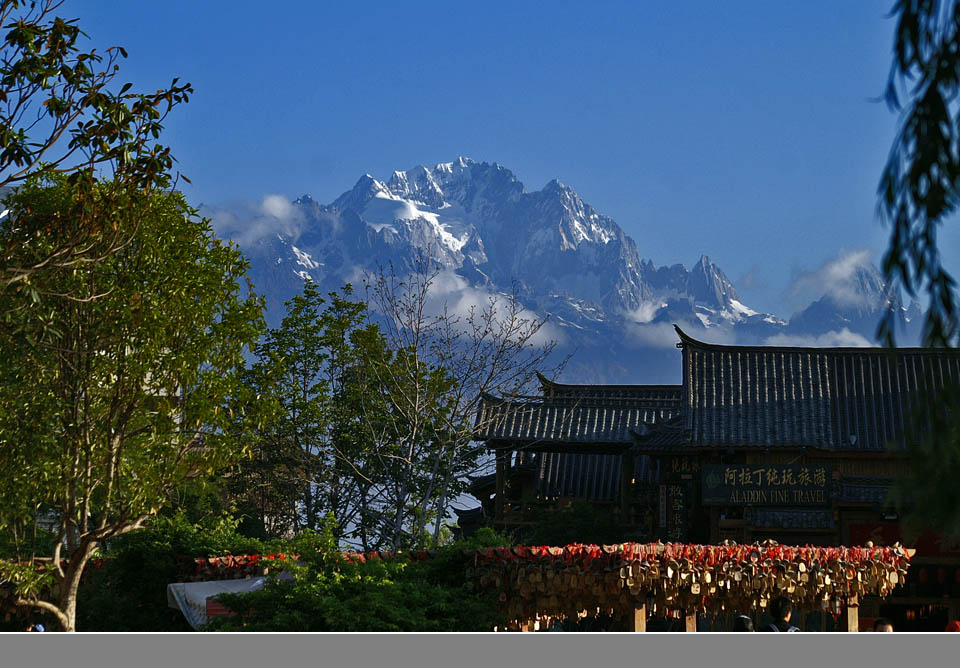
501,459
637,619
690,621
853,615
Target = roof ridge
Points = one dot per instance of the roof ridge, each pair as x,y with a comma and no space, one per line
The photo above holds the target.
547,383
687,339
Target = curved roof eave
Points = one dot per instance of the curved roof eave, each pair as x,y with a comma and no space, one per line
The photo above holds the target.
687,339
546,384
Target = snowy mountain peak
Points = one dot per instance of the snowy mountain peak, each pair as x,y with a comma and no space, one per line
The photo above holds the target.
564,258
365,189
417,184
709,284
461,162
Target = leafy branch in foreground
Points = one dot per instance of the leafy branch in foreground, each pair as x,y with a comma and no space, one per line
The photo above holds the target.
62,111
918,188
124,393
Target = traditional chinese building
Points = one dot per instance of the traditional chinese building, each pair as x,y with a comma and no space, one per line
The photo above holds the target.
573,442
798,445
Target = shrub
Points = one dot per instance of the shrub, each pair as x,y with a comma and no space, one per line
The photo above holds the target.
128,592
329,593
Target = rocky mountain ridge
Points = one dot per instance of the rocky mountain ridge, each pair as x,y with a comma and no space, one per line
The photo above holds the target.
609,306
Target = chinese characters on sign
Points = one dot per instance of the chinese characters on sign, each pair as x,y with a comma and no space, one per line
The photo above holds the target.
684,465
676,513
737,484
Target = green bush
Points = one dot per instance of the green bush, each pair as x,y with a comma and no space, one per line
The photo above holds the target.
129,591
329,594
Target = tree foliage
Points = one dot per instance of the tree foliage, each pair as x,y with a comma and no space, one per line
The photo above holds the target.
312,458
128,591
63,112
329,594
919,186
125,391
446,357
918,193
376,408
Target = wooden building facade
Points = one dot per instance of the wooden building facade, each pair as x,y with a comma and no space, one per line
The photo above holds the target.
797,445
572,443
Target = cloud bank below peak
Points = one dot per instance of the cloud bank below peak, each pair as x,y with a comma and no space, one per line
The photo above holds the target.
839,278
248,223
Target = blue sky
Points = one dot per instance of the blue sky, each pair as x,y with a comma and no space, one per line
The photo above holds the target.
744,130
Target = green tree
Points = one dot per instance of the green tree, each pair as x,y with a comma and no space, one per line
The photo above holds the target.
442,363
62,112
919,186
327,594
128,390
918,193
313,458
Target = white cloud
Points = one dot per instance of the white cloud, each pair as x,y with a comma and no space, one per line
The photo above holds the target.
843,338
248,223
833,278
644,313
277,206
659,335
663,334
452,293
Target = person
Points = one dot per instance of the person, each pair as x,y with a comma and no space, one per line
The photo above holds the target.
953,626
882,625
742,623
36,628
781,609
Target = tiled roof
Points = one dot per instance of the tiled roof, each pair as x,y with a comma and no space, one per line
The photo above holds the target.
578,427
640,393
586,420
829,398
667,435
585,476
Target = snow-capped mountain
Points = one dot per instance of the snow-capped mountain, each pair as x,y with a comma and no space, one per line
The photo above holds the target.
565,259
857,304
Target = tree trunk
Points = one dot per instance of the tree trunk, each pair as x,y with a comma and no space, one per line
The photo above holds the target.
65,610
363,520
441,506
422,520
71,583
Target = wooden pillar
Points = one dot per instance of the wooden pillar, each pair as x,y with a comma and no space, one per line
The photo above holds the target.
690,621
626,487
501,460
853,615
637,619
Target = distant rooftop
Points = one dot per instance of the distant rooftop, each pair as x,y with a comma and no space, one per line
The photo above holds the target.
829,398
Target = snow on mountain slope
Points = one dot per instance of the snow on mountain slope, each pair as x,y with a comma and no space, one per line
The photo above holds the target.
562,257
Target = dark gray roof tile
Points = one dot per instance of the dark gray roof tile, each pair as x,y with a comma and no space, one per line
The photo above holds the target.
582,420
830,398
